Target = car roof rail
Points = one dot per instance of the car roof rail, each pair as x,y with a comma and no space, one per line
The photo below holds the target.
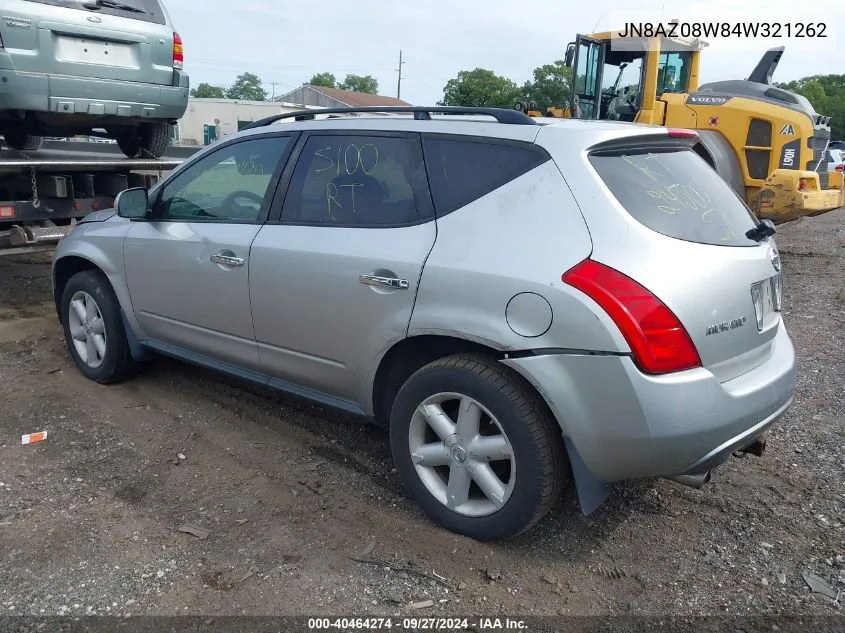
502,115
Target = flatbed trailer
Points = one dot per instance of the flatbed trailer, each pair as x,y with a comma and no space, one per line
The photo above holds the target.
44,193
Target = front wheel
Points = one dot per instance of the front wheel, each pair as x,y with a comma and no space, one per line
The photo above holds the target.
476,448
93,329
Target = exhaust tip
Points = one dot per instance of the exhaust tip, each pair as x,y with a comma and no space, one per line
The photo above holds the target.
697,481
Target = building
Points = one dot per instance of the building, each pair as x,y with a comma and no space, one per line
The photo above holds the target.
321,97
208,119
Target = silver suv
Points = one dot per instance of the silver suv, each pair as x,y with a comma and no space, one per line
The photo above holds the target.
69,66
517,299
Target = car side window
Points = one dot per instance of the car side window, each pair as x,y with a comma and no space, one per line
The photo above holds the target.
229,184
345,180
461,170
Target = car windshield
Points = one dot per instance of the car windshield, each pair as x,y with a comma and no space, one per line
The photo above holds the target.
146,10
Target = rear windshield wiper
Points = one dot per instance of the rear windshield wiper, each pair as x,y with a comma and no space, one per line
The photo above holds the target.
766,228
111,4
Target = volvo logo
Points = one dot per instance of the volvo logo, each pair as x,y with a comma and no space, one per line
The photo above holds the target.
96,19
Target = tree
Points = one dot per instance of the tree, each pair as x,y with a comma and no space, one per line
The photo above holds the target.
326,80
480,88
359,83
827,95
551,86
247,87
207,91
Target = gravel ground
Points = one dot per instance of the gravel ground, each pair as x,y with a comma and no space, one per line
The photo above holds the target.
294,498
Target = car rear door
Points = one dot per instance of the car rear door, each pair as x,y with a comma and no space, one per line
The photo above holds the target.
131,42
333,282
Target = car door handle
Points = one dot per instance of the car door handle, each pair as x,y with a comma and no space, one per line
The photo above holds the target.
388,282
227,260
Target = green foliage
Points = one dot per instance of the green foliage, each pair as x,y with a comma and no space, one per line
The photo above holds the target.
480,88
827,94
484,88
356,83
326,80
551,86
552,83
359,83
247,87
207,91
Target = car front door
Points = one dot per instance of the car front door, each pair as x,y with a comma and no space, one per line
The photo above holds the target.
187,266
333,281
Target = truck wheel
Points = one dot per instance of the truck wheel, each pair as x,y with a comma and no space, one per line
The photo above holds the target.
147,140
93,329
476,448
21,141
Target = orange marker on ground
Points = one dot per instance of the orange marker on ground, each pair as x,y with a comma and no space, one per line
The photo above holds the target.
31,438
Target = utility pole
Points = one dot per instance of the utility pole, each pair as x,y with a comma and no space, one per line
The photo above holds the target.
399,82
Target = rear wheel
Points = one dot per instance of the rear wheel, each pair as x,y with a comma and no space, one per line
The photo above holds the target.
147,140
93,329
22,141
475,447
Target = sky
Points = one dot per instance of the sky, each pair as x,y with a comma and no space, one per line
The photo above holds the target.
286,42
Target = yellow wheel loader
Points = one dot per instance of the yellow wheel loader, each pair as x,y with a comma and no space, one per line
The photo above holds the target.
769,144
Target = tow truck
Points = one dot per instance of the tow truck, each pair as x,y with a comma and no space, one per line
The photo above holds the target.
44,193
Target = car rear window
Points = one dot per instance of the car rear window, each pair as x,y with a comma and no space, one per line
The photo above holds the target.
144,10
676,193
461,170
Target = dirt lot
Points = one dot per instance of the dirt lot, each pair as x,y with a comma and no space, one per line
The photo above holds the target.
291,494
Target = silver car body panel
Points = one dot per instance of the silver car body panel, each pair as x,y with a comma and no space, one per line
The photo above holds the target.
702,284
489,272
333,348
99,240
182,298
623,421
493,250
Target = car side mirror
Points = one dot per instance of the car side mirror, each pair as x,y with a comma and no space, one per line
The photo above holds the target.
132,203
570,53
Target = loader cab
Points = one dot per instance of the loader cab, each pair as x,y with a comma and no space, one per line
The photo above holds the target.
620,79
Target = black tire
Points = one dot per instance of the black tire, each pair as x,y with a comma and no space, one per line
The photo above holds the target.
21,141
535,438
147,140
117,362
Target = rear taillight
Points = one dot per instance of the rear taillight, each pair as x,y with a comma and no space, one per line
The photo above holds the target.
658,340
679,133
178,52
839,168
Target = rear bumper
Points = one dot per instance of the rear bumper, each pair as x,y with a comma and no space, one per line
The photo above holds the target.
628,425
61,95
